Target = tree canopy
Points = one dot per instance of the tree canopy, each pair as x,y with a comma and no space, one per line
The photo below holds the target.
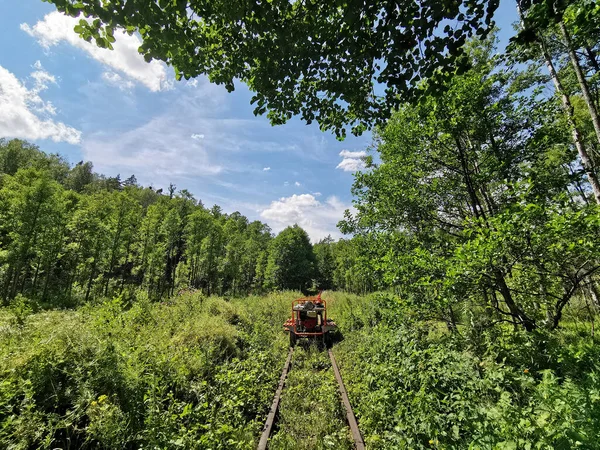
343,62
291,263
479,200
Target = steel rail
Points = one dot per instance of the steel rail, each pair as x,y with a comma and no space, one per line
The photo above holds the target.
264,439
359,444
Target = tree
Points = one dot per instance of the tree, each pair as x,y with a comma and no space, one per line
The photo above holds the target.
468,199
32,225
17,154
325,263
131,181
549,22
291,262
80,176
70,235
90,246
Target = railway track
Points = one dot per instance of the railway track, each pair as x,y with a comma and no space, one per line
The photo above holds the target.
272,416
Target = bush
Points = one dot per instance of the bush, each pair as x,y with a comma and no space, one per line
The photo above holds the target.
188,373
415,385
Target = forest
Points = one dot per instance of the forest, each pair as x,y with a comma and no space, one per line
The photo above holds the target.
466,288
70,236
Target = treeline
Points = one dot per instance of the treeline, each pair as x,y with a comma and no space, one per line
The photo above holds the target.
69,235
483,207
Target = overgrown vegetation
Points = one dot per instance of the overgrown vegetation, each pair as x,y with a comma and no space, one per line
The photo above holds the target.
476,218
193,372
311,415
414,384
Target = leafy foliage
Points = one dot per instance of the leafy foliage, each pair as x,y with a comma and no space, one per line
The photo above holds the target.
412,385
291,263
192,373
69,235
475,203
319,59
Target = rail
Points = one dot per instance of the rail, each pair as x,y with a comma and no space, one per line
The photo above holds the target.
264,439
359,444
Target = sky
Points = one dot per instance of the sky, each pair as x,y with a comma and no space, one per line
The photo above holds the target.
128,117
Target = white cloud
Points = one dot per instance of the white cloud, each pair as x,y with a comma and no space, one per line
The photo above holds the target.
352,161
197,136
158,152
266,169
41,77
117,80
41,82
319,219
349,154
23,113
351,165
161,149
297,184
125,58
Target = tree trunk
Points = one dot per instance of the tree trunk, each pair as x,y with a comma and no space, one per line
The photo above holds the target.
92,273
515,311
591,55
578,186
583,84
594,294
451,320
577,139
476,207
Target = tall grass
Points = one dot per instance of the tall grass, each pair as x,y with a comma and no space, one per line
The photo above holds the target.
193,372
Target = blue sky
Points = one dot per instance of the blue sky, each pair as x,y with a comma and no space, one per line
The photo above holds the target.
129,117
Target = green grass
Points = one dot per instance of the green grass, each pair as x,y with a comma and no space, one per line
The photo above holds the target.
200,373
189,373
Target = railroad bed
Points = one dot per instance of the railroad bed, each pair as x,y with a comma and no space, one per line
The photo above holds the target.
310,408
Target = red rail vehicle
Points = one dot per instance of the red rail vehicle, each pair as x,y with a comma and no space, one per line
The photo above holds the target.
309,320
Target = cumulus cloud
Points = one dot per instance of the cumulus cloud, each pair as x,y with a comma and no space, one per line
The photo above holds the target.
56,28
23,113
351,165
319,219
352,161
297,183
197,136
266,169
